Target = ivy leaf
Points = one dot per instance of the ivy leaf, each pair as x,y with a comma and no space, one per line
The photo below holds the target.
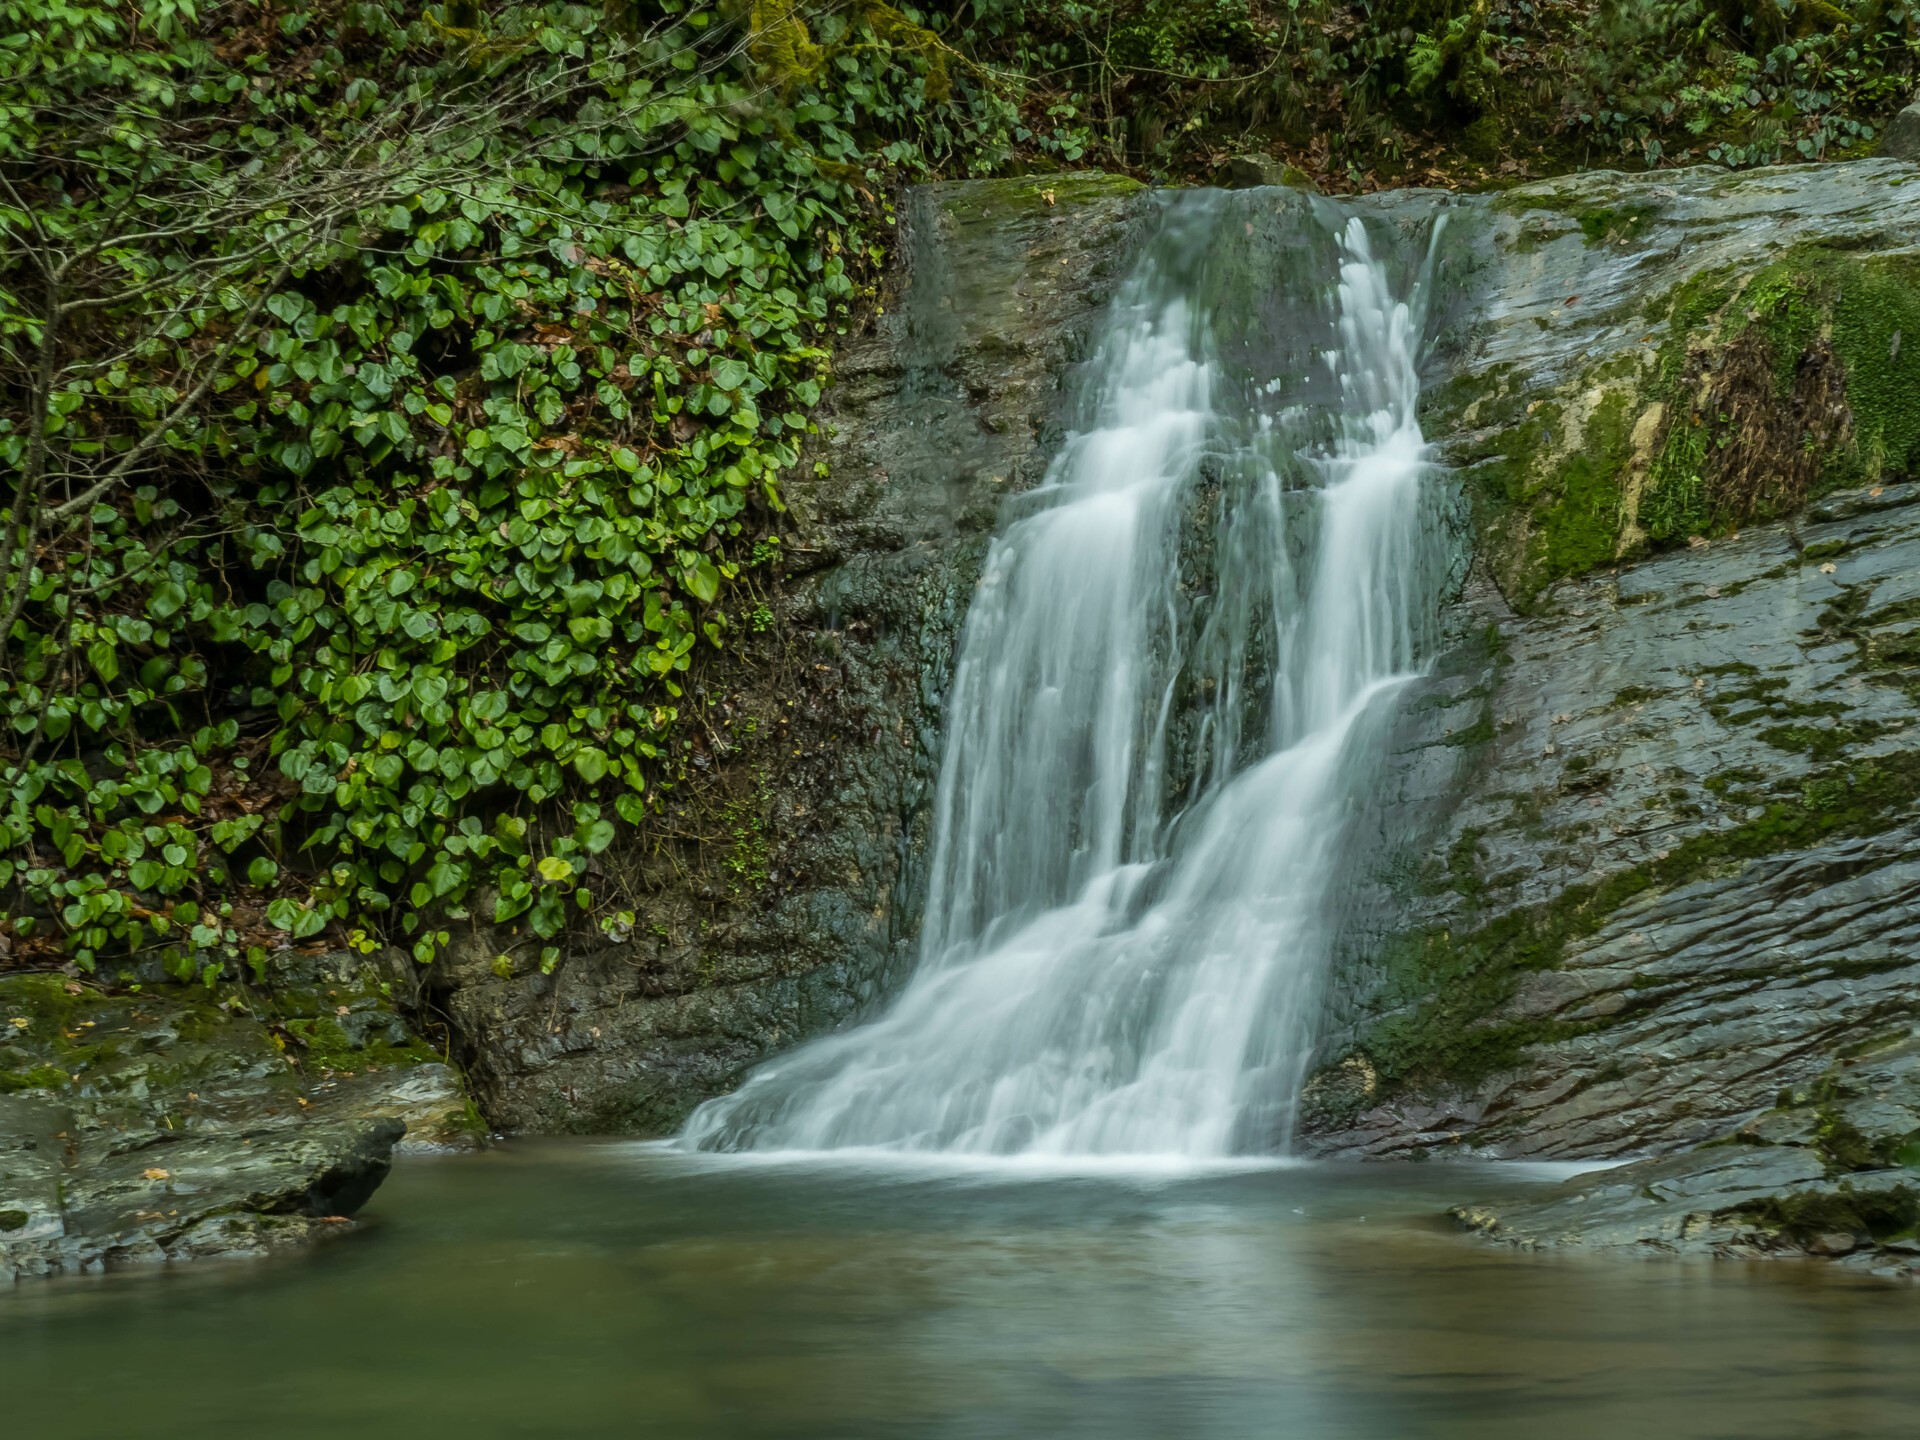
166,600
702,580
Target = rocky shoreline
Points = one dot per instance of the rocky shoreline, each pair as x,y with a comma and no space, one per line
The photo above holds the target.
1832,1172
165,1123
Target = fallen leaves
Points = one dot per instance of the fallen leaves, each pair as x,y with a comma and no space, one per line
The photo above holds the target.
155,1174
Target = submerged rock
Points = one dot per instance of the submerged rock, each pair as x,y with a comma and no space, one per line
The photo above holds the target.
160,1126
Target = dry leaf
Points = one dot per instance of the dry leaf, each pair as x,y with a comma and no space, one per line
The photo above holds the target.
155,1175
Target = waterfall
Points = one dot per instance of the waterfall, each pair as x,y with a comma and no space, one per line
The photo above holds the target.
1165,706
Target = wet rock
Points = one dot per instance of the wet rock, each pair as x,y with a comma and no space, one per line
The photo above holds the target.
1251,172
1675,877
1833,1172
160,1126
1643,854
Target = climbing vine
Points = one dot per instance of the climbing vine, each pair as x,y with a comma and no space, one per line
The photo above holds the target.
393,397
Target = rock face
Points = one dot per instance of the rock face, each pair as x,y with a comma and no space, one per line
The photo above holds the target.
1638,857
1834,1172
1658,871
1678,873
781,894
1901,139
151,1127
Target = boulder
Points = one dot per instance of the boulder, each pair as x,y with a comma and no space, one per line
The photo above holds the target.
1901,139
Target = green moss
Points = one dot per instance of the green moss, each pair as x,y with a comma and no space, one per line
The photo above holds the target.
1578,528
1604,225
1674,506
1878,1213
1037,195
13,1220
1775,388
326,1045
35,1077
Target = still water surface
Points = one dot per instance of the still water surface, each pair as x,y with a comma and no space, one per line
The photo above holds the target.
563,1290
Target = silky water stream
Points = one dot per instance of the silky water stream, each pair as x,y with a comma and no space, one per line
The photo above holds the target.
1054,1199
1159,719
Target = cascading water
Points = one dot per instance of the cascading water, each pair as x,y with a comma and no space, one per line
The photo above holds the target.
1147,769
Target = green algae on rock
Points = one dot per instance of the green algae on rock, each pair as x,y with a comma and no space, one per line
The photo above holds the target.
1671,357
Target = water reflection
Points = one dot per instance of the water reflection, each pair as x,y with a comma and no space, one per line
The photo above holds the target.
606,1290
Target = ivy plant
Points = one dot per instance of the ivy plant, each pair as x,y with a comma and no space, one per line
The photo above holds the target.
393,396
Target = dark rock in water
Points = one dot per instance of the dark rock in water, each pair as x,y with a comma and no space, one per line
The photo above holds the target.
1901,139
1834,1171
159,1126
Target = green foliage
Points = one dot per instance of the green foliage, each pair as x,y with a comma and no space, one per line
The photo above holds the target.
434,388
1740,82
1361,93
